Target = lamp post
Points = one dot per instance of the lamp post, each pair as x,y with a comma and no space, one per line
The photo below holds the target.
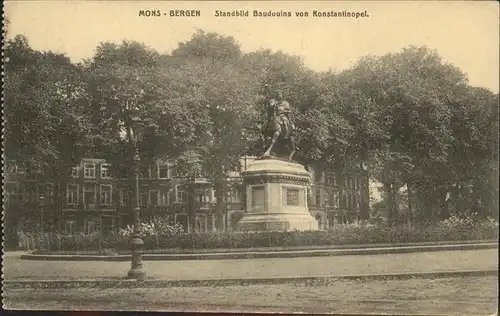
327,222
41,202
136,271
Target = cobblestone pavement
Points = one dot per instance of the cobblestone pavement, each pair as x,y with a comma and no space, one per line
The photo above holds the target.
457,296
15,268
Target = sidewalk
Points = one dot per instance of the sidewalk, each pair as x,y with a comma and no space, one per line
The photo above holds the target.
402,263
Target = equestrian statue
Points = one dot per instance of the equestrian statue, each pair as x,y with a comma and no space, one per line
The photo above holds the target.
278,129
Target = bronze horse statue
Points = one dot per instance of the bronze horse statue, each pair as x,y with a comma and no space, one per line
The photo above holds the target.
278,130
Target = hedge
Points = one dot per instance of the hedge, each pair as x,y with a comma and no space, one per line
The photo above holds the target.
351,234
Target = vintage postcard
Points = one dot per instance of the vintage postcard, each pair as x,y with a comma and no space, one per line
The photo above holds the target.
251,156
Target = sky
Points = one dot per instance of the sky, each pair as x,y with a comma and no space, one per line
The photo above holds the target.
465,34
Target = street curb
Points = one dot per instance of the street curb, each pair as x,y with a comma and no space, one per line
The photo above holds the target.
270,254
304,280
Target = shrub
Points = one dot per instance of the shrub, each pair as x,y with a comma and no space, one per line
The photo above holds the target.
153,228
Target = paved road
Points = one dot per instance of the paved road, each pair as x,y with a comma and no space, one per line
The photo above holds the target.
452,296
15,268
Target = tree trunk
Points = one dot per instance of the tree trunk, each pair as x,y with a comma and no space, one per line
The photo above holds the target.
219,208
425,212
365,196
191,204
395,197
444,211
365,185
409,195
391,191
494,191
431,206
59,201
221,205
340,179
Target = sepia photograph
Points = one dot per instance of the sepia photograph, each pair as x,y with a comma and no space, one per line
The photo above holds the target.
320,157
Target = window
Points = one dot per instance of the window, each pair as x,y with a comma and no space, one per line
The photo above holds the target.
89,170
171,196
90,226
238,195
153,197
106,194
180,195
343,201
163,171
330,178
317,176
11,167
105,173
335,199
146,172
124,198
292,197
70,226
144,198
74,172
10,192
331,219
72,194
41,188
180,173
204,196
49,193
354,201
213,198
89,194
108,224
232,196
318,196
236,168
33,194
21,193
21,169
163,197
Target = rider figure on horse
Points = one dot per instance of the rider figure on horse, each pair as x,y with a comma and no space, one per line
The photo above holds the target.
283,111
279,125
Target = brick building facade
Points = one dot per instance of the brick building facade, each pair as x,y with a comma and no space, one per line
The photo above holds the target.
93,199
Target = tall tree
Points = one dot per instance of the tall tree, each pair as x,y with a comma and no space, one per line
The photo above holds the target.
224,95
45,124
127,81
474,151
407,95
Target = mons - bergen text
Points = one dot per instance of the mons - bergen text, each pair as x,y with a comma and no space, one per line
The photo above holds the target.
173,13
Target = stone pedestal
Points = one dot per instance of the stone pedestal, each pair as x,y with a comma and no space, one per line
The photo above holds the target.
276,197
